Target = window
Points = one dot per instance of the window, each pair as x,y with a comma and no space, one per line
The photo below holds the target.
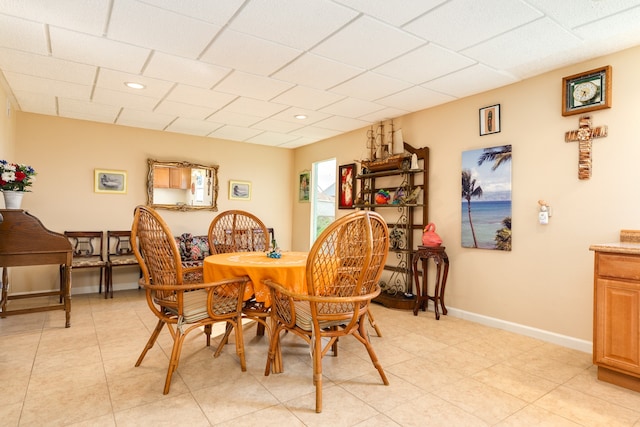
323,196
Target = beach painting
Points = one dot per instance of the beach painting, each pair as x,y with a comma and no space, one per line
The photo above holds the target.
486,198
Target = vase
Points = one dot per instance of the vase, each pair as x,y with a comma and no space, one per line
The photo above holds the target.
12,199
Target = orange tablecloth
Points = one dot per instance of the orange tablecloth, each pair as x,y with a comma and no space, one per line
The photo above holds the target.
289,270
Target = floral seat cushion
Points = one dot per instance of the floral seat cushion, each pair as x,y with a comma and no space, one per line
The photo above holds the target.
193,249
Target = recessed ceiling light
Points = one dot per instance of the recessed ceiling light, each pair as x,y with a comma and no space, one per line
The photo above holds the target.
134,85
300,116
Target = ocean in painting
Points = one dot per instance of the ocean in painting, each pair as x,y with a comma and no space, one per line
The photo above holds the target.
487,218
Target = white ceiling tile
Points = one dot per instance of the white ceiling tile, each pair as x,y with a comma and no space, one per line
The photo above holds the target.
370,86
317,72
462,23
179,109
151,27
24,35
235,119
524,45
124,99
275,125
572,13
193,127
367,43
292,23
22,82
97,51
255,107
415,99
315,133
626,25
46,67
188,71
352,107
472,80
384,114
257,87
248,53
115,80
144,119
86,110
392,12
271,138
87,16
217,12
306,97
234,133
39,103
342,124
289,114
425,63
299,142
199,96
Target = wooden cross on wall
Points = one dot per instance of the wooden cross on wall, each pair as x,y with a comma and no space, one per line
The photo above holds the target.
584,135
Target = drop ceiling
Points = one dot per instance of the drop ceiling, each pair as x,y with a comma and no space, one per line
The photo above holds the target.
242,70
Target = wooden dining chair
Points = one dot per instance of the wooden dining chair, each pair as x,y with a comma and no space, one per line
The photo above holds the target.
241,231
119,254
88,252
343,270
181,306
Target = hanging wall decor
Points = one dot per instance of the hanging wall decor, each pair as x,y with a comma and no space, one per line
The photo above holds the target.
304,186
486,198
347,177
490,120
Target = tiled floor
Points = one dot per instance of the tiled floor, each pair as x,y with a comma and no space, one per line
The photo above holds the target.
449,372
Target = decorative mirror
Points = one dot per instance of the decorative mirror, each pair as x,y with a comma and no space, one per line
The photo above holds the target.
182,186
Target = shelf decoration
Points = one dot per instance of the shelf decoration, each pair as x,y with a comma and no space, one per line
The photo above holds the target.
385,153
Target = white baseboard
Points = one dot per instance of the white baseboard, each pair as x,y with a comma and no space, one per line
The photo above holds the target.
551,337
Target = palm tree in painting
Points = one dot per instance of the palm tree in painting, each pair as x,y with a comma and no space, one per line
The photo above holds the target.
470,190
503,235
498,155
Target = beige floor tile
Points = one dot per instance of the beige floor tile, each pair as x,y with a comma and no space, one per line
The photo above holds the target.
534,416
176,410
370,389
425,374
587,382
379,420
429,410
541,365
274,416
586,410
515,382
485,402
10,413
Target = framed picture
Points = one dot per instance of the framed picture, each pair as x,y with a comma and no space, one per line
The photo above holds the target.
109,181
347,176
586,91
239,190
304,185
490,120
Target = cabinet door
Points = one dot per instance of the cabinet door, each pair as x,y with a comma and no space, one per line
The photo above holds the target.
617,328
180,178
161,177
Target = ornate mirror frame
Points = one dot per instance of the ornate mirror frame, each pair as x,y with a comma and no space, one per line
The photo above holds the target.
180,206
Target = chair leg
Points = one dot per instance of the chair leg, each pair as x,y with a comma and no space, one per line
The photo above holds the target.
175,358
240,343
151,342
317,370
372,321
207,332
362,337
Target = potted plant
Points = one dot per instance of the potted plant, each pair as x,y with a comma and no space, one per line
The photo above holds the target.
15,180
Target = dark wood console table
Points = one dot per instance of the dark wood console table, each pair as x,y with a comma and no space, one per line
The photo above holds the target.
440,258
25,241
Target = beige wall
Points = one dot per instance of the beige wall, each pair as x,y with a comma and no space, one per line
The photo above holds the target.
545,282
65,152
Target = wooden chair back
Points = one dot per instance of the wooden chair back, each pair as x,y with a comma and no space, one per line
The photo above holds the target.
237,231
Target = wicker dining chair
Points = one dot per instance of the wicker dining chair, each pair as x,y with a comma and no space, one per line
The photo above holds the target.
343,270
241,231
182,306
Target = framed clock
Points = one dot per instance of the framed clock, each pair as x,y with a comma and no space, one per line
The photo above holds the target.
586,91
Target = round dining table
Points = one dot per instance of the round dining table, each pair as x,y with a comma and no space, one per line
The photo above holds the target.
289,270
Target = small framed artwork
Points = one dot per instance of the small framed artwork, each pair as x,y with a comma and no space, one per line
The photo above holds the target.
304,185
347,176
588,91
490,120
239,190
109,181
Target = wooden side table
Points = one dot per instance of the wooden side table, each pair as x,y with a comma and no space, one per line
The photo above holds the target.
441,260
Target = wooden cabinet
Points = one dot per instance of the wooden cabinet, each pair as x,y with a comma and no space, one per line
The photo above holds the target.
616,328
179,178
406,220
